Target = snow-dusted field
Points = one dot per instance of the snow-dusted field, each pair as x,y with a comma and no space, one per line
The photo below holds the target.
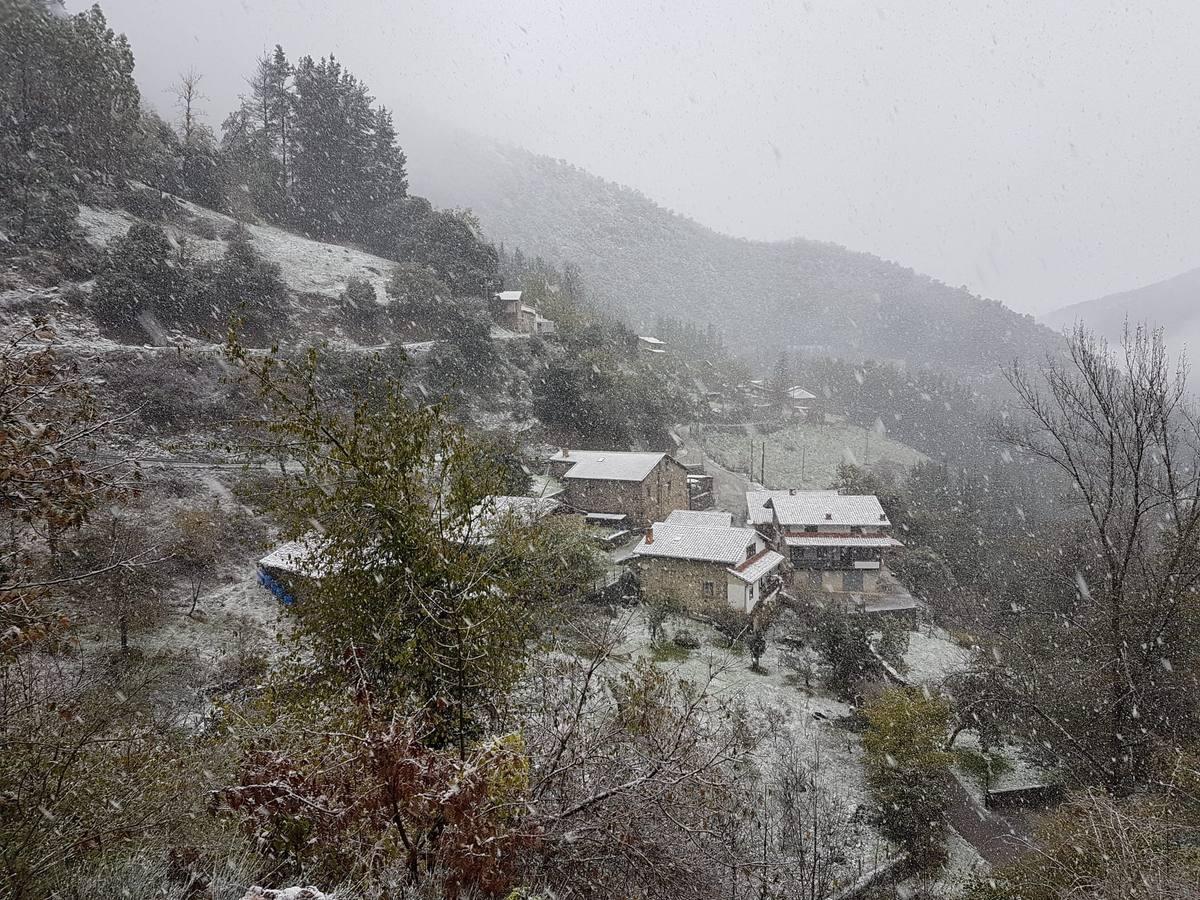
807,455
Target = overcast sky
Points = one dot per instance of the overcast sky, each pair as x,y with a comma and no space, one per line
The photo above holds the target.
1039,151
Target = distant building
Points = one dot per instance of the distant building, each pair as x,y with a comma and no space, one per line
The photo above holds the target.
651,344
704,564
521,317
642,487
835,542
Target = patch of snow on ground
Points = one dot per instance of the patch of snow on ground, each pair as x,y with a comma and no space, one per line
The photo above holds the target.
308,266
832,753
932,656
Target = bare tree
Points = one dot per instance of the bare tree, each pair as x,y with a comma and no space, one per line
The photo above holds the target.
188,97
631,770
123,592
1118,644
198,547
52,478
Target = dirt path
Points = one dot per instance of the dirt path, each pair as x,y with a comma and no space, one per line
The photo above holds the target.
999,838
729,488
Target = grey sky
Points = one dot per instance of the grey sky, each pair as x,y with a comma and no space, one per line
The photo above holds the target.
1039,151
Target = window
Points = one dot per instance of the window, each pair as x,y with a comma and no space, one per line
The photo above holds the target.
810,529
708,589
749,551
856,529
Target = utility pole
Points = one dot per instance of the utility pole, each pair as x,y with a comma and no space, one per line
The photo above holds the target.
762,466
803,454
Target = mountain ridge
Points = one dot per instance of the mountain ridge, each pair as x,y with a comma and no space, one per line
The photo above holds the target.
1170,304
795,295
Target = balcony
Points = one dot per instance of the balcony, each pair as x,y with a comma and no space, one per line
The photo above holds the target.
834,559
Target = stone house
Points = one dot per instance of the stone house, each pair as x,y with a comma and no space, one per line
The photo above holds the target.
700,565
642,487
834,542
517,315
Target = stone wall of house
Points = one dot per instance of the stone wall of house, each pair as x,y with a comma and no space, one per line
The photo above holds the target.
685,580
595,495
662,492
665,490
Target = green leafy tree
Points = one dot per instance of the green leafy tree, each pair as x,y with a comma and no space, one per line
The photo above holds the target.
141,277
907,768
359,309
844,644
243,285
70,75
406,607
41,203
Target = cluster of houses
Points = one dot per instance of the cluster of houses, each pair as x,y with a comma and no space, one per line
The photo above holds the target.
820,541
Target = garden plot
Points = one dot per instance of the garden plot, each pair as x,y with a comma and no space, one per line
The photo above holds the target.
807,455
932,657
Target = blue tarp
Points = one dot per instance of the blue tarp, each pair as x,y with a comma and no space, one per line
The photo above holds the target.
274,586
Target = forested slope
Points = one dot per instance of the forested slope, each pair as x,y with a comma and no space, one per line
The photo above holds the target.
764,297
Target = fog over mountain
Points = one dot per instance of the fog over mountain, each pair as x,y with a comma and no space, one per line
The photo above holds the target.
1172,305
797,296
1016,148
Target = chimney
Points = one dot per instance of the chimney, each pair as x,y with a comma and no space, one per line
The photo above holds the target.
566,452
828,517
883,517
650,535
791,492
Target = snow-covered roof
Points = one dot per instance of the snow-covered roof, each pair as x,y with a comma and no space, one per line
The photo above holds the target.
528,309
509,296
296,557
724,545
799,393
652,341
839,540
757,566
487,517
608,465
822,508
711,518
756,504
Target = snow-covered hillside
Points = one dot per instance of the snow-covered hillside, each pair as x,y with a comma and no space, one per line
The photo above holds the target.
309,267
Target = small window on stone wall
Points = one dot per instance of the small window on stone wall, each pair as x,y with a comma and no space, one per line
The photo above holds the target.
708,589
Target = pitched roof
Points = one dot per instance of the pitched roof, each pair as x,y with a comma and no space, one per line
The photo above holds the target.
822,508
711,518
509,296
757,566
724,545
652,341
296,557
608,465
756,504
799,393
